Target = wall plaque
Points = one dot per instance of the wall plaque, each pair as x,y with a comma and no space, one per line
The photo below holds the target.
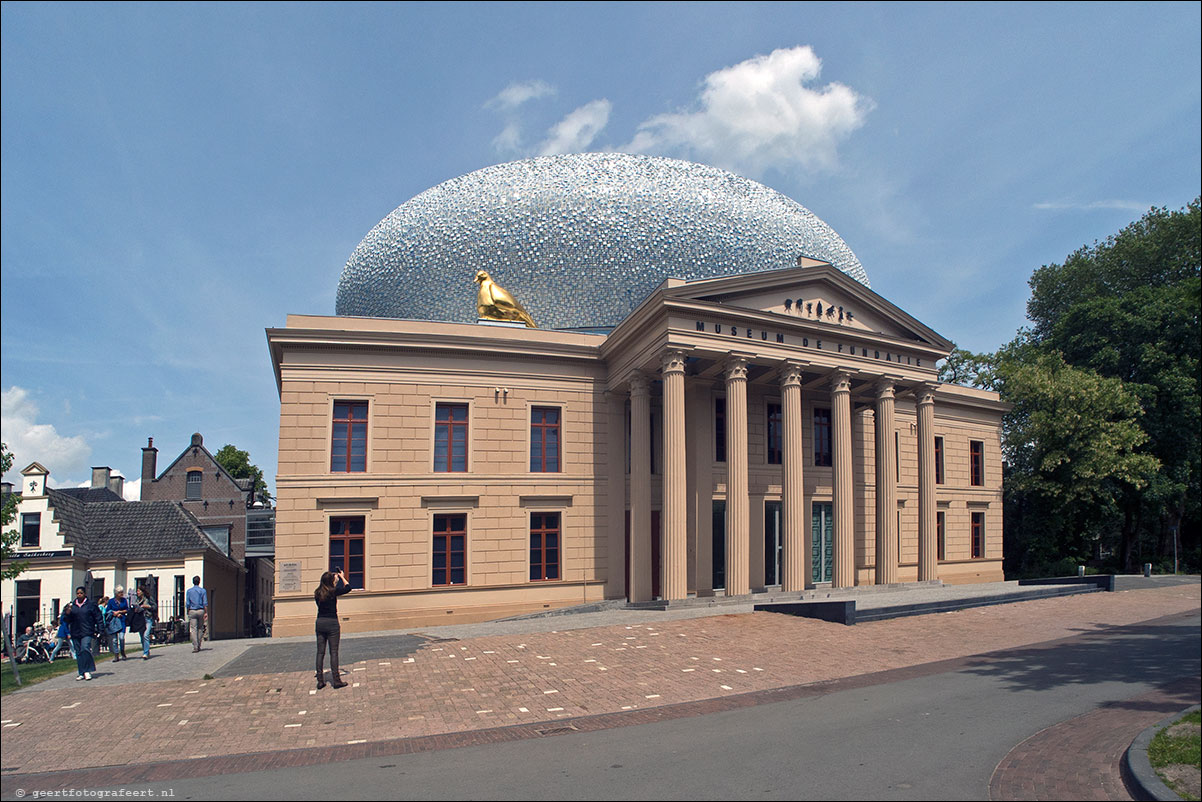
290,576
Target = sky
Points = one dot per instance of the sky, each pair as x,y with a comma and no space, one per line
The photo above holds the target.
176,178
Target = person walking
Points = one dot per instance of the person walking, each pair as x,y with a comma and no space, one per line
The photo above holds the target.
85,623
142,619
103,640
62,636
197,602
328,631
118,609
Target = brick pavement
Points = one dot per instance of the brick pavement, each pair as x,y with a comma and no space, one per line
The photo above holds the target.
1080,758
524,680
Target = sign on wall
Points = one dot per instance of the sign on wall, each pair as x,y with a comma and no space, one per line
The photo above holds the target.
290,576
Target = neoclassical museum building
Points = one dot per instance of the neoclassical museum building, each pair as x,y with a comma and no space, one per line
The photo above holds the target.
713,402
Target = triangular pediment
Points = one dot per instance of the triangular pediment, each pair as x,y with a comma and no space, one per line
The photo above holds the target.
817,293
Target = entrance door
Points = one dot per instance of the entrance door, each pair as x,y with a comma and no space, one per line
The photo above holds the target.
718,576
822,530
772,542
29,603
655,554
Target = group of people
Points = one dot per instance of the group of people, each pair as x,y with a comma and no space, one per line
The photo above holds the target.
87,625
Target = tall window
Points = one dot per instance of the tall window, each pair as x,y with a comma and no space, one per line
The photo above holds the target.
544,545
31,530
450,550
719,430
978,535
544,439
178,596
938,460
976,450
941,552
450,437
822,437
774,434
346,548
195,485
348,444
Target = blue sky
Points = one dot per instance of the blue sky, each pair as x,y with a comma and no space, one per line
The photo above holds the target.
177,178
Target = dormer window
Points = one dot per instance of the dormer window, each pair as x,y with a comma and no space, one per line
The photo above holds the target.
195,485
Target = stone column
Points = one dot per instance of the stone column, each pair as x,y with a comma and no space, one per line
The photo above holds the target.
796,562
845,554
886,486
673,527
639,581
738,521
928,547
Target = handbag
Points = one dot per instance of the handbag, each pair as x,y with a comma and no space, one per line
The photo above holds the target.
137,620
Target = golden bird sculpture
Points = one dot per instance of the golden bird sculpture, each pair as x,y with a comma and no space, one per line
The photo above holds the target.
495,303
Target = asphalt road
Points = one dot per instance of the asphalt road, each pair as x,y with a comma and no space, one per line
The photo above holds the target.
937,736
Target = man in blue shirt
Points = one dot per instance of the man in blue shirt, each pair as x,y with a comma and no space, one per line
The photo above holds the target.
197,602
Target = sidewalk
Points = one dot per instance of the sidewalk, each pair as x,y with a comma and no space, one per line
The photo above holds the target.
475,677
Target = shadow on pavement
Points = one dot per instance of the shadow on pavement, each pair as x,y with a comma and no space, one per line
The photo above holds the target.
278,658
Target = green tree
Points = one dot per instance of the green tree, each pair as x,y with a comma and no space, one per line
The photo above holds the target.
239,466
9,537
1128,309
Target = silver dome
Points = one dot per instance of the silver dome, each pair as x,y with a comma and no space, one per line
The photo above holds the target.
580,239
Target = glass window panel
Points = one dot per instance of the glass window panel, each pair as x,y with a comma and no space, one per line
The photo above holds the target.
460,413
439,576
442,412
459,463
440,559
357,544
536,540
339,433
356,565
338,463
552,463
457,575
552,540
341,409
457,560
552,572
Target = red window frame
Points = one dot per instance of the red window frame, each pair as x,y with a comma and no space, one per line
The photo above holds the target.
938,460
543,430
347,548
348,435
449,563
976,452
822,438
978,535
546,543
940,540
450,434
775,421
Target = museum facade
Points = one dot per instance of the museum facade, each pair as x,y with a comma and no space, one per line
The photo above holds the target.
777,429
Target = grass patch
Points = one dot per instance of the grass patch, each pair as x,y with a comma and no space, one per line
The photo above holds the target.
1182,748
33,673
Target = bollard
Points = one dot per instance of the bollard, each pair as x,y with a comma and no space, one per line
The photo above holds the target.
1147,569
1080,570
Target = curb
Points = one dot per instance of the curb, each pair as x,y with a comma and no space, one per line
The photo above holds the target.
1138,775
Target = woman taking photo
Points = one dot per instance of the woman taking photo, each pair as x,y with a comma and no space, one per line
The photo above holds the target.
328,632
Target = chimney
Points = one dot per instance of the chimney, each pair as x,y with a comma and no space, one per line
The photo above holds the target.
150,458
117,485
100,477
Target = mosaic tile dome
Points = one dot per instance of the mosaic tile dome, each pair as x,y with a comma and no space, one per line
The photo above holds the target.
580,239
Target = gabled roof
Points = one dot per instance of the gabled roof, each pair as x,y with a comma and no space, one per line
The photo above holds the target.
237,483
34,467
90,495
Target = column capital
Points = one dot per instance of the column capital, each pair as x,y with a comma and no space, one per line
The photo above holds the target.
639,383
884,388
840,382
672,361
925,393
736,369
790,374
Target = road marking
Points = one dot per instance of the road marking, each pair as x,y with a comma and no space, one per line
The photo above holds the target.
546,692
291,725
164,704
65,707
358,741
726,687
554,709
523,710
652,696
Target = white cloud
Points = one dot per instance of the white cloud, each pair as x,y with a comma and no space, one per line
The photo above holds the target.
760,114
29,441
1121,205
516,94
576,131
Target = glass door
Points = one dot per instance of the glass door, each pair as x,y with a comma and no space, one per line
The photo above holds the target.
822,557
718,577
772,542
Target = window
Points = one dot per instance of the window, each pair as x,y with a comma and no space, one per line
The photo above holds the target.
544,546
195,485
220,535
544,439
941,548
976,450
450,437
31,530
897,459
822,437
450,550
346,548
774,434
719,430
348,441
939,461
179,595
978,535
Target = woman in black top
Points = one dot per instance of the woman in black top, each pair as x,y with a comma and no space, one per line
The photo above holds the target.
332,586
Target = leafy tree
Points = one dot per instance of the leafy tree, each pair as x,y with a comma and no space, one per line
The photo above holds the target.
9,537
968,369
239,466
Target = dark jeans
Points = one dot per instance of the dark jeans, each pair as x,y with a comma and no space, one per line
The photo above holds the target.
83,654
328,632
